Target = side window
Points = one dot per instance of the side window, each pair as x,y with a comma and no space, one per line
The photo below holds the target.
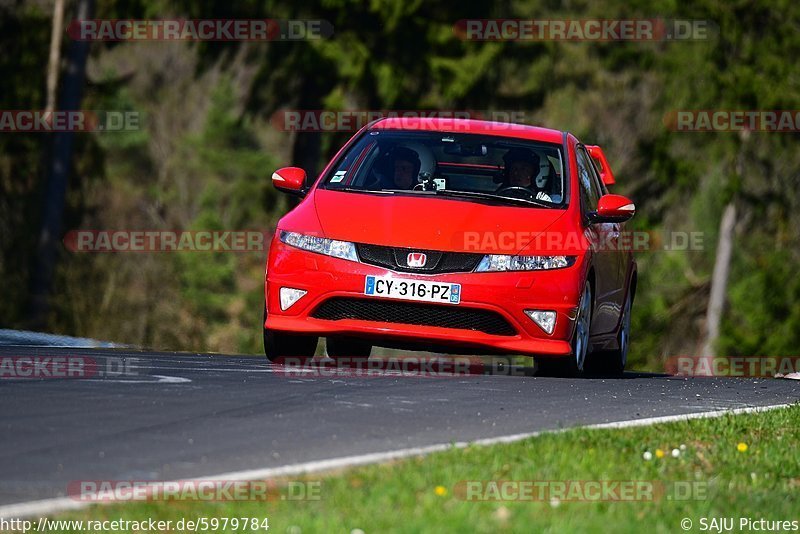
595,168
590,188
589,196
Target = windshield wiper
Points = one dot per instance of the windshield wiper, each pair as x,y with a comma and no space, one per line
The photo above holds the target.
360,190
448,193
489,196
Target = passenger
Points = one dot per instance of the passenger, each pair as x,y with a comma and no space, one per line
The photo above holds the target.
547,186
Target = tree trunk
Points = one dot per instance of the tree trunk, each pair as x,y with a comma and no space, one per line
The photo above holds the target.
55,54
307,146
719,280
57,174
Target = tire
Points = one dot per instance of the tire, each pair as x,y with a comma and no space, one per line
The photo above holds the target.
573,365
348,348
613,362
279,345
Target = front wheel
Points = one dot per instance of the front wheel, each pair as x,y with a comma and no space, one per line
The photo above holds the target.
280,345
574,364
613,362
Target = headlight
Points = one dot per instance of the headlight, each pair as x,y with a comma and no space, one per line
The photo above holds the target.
321,245
499,262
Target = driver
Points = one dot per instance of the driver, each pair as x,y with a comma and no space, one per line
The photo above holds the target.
402,166
521,165
405,167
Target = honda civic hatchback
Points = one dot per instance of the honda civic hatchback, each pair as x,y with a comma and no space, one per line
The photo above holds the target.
455,236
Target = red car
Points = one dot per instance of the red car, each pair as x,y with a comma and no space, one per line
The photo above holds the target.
456,236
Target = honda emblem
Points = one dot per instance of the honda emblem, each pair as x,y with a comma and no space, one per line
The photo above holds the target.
416,259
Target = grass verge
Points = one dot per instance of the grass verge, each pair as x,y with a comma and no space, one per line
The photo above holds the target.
735,466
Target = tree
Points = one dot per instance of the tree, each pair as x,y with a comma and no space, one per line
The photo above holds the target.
57,175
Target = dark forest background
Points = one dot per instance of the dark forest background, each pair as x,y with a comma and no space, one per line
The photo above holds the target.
203,158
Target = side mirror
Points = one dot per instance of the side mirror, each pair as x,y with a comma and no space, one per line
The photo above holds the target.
290,180
602,164
613,208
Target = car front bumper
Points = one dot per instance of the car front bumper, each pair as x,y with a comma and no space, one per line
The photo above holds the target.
507,294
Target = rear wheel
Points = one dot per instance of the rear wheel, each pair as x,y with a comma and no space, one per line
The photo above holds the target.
574,364
348,349
613,361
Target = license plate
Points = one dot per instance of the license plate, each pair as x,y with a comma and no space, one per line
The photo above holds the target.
403,289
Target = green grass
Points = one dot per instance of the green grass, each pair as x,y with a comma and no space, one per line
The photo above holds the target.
761,482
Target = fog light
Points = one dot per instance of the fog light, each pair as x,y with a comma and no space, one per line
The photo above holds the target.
545,319
289,296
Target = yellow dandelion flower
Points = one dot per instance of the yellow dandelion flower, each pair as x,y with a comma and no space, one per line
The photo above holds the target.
741,447
659,453
441,491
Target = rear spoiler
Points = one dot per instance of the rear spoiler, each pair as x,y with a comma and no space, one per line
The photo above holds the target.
602,164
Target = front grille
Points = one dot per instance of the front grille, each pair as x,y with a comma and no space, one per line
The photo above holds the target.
395,258
440,315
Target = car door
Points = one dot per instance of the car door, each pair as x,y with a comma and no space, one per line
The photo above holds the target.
620,249
604,259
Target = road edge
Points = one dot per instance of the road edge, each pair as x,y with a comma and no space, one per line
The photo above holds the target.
63,504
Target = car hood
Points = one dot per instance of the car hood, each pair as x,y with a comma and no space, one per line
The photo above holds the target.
428,223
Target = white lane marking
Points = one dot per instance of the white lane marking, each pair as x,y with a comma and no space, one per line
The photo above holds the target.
60,504
348,403
686,417
186,368
162,379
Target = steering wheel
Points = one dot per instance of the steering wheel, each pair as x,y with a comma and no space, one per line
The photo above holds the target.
515,191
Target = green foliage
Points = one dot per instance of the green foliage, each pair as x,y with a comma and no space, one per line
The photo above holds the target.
202,159
230,169
712,476
24,38
763,317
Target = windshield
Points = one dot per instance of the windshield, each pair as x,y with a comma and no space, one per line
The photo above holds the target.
470,167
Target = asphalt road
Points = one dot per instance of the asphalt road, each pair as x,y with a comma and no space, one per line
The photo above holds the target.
166,416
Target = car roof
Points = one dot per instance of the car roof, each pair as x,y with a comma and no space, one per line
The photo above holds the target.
470,126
